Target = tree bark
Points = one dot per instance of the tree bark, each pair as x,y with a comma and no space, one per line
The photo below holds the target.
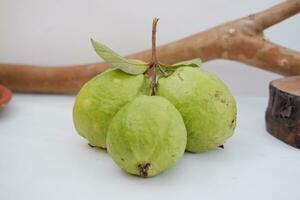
283,112
241,40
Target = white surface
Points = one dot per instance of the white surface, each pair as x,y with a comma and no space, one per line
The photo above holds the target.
51,32
41,157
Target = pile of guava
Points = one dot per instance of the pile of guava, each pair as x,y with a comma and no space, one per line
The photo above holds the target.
148,114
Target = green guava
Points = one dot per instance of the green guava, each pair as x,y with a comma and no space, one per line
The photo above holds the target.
147,136
206,106
100,99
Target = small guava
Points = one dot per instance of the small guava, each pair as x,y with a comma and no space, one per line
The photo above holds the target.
147,136
206,106
100,99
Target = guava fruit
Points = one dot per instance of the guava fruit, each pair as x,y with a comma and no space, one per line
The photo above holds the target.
205,104
147,136
100,99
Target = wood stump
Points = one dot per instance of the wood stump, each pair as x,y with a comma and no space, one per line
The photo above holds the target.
5,95
283,112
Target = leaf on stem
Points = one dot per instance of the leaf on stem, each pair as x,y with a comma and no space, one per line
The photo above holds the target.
130,66
187,63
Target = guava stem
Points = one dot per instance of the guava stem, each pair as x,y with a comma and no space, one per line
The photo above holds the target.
154,63
154,27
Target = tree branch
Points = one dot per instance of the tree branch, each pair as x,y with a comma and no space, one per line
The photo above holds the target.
240,40
277,13
268,56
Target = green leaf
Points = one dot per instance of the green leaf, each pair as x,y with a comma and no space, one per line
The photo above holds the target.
129,66
187,63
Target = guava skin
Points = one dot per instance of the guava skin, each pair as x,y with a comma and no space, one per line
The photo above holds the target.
205,104
100,99
147,136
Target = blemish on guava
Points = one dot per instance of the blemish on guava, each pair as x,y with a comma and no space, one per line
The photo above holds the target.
122,159
232,123
180,77
143,169
217,94
221,146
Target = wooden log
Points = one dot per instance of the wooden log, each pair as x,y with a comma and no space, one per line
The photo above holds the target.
283,112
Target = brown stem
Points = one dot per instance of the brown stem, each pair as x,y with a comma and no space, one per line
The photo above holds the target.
240,40
153,64
154,27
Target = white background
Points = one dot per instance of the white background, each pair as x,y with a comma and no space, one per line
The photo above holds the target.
42,158
47,32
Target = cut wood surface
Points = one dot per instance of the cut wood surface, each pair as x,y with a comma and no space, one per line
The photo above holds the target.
283,112
240,40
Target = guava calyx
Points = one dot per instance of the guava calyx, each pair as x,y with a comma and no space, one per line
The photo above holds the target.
143,169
